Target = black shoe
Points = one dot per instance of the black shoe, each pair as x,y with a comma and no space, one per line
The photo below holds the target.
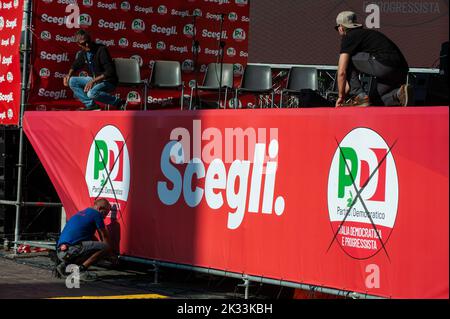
90,108
61,270
87,276
122,105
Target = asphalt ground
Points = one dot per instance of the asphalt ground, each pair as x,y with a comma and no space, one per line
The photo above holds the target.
29,276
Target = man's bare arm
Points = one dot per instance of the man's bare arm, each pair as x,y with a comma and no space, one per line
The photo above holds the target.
344,60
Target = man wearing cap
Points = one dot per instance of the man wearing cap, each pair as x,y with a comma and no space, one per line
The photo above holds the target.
102,77
370,52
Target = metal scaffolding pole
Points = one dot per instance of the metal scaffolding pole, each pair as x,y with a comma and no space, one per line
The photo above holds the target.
247,278
36,204
25,73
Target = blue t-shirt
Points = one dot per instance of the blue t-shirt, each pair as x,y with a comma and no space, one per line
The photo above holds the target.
81,227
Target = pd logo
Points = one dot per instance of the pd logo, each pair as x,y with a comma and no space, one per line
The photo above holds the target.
45,35
88,3
134,98
231,52
162,9
239,35
362,193
160,46
238,69
125,6
44,73
232,16
85,20
188,30
241,3
197,13
187,66
108,166
138,25
123,42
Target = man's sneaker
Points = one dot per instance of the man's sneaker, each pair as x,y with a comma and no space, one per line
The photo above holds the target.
61,270
405,95
358,101
90,108
88,276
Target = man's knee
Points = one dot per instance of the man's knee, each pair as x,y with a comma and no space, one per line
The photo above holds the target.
93,94
73,82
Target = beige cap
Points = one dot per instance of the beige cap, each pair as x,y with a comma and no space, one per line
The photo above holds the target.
347,19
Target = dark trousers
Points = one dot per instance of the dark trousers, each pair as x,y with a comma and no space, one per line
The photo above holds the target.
388,79
79,253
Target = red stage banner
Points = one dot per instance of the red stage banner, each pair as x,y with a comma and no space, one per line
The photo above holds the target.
137,29
10,29
352,199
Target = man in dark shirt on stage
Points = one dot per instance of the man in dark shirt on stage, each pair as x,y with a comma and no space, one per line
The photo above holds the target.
370,52
76,244
102,77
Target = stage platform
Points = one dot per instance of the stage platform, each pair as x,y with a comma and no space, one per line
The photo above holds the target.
269,194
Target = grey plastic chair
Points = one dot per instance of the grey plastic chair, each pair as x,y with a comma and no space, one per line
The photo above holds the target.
129,75
211,81
166,75
300,78
256,79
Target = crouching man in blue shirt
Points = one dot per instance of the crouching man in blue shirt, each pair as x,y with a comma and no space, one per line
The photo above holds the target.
76,245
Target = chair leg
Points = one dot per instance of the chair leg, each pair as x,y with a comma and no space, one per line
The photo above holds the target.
236,99
281,99
226,99
190,100
145,97
182,97
273,99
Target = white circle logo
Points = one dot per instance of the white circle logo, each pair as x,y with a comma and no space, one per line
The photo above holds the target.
239,35
88,3
134,98
46,35
138,25
362,193
85,20
161,46
162,9
125,6
108,166
187,66
238,69
44,73
123,42
232,16
188,30
231,52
